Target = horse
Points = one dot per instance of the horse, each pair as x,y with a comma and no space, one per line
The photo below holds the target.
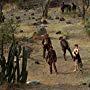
65,6
68,7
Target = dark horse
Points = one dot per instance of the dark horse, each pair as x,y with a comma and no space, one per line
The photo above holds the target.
68,7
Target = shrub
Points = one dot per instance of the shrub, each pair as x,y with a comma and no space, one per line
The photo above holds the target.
7,29
87,27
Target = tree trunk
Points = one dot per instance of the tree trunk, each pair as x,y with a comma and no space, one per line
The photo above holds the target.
84,10
45,11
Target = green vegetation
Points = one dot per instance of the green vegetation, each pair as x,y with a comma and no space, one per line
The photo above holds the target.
8,28
88,27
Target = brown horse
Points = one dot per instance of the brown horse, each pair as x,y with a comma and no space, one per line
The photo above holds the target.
68,7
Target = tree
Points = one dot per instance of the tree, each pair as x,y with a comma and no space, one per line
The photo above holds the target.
85,7
45,11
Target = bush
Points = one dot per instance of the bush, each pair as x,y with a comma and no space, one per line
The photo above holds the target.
7,29
88,31
87,27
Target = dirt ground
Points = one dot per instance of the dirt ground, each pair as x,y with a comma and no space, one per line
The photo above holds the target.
66,79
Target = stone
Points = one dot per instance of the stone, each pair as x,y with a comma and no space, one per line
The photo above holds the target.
41,30
32,14
62,19
37,62
44,22
33,82
59,32
50,18
35,24
89,85
17,17
57,17
25,14
29,18
33,17
84,83
21,31
68,22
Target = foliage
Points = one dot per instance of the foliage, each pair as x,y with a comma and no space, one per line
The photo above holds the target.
88,27
8,28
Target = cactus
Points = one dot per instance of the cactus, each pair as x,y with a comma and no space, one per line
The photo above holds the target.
23,76
9,69
10,62
2,58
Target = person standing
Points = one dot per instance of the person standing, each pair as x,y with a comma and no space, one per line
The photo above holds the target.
65,46
51,59
46,42
62,7
77,58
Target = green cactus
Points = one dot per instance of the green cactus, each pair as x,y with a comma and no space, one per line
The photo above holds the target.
24,65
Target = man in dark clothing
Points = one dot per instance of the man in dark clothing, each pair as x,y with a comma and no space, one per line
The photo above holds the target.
62,7
51,59
46,42
74,7
65,46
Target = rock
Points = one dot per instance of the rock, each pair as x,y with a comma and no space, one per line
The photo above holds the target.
12,15
50,18
66,37
21,31
25,14
32,14
33,82
37,62
36,19
24,39
44,22
33,17
62,19
57,17
29,18
84,83
41,30
68,22
35,24
89,85
59,32
17,17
